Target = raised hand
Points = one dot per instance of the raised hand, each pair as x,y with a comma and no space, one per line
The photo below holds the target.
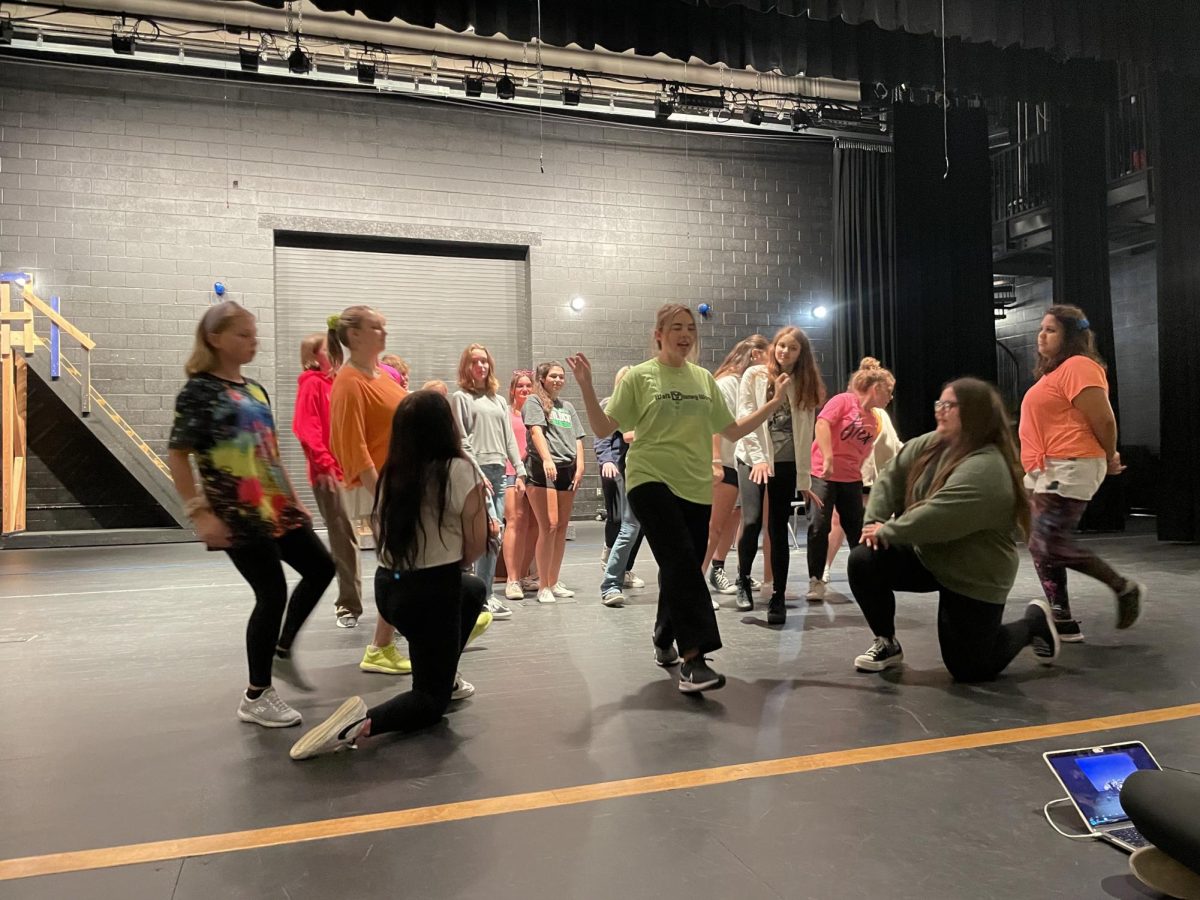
581,368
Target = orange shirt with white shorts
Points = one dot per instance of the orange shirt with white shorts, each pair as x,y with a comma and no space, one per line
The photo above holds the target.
1056,440
360,420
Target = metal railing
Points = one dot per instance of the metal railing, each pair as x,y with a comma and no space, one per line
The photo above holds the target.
1130,135
1021,177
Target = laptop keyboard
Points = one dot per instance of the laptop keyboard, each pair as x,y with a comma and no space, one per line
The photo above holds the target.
1130,836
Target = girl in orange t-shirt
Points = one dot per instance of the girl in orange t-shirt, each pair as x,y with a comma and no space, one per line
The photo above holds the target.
1068,447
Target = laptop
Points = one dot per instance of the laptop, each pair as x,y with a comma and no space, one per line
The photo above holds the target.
1093,777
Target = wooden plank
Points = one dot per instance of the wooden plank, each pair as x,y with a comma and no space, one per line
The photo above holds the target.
8,409
20,441
48,311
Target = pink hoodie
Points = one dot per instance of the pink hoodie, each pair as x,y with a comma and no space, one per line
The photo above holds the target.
310,423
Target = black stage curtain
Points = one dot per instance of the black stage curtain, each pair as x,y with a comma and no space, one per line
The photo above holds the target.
1177,197
864,255
1080,215
742,37
943,259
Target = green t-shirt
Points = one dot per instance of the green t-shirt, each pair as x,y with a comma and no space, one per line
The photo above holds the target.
675,412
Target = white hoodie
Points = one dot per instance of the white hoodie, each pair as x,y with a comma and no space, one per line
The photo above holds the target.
756,447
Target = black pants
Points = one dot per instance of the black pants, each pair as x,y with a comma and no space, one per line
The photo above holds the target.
781,490
261,564
975,646
435,609
1163,807
677,530
847,498
612,518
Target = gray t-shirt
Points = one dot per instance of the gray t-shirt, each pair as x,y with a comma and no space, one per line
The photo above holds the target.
562,430
780,428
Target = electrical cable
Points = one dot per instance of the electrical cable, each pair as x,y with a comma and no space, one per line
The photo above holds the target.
1082,836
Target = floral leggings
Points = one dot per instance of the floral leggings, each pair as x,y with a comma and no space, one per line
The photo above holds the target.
1054,550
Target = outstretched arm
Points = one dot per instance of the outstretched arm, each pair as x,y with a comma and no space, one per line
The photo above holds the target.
602,424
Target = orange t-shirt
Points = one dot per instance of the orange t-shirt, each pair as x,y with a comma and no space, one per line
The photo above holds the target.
1051,426
360,420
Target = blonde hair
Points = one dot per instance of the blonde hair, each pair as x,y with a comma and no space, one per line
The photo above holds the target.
396,362
216,319
869,374
339,327
308,351
436,385
662,318
466,382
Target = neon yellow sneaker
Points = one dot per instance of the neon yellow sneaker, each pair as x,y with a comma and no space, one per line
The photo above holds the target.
481,625
386,661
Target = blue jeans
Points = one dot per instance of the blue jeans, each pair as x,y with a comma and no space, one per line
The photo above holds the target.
485,566
618,556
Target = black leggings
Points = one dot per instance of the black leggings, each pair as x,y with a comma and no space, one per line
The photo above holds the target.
847,498
781,490
612,518
261,564
677,530
975,646
435,609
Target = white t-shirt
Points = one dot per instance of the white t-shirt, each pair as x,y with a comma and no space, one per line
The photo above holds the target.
441,546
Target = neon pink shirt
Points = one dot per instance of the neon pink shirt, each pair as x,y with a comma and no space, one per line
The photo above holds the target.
519,432
854,433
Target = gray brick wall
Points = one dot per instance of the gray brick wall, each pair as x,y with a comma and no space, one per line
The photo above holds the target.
130,195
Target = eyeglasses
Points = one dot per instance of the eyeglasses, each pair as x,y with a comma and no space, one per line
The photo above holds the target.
943,405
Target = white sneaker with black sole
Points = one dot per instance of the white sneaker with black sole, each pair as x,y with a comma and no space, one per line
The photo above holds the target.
267,710
695,675
1043,636
336,733
882,654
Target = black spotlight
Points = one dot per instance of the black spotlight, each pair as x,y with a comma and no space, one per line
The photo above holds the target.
6,31
248,58
802,118
299,62
123,43
752,115
663,107
505,89
366,72
473,85
572,96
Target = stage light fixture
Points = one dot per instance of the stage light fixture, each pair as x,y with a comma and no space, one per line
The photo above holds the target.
248,58
802,118
752,115
366,72
820,312
299,61
505,88
698,103
123,44
473,85
664,107
572,96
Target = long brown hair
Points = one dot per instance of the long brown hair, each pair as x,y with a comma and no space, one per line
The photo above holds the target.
808,390
1078,339
543,395
738,359
984,421
467,382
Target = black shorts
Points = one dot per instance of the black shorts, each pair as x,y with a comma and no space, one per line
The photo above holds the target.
729,475
537,475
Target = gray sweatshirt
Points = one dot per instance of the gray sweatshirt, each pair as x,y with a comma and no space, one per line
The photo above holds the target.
486,429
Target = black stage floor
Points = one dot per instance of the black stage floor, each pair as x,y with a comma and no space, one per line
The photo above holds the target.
122,666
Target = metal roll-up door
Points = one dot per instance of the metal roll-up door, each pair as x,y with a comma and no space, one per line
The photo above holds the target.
435,306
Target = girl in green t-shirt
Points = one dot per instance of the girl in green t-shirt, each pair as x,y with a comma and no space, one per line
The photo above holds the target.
675,407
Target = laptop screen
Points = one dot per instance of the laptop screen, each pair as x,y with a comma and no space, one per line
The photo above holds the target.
1093,778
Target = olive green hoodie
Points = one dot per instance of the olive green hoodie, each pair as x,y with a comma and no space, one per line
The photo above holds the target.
963,534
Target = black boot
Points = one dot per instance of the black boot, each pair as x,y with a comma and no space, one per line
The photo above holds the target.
776,610
745,594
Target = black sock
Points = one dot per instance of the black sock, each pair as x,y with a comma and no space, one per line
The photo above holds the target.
718,564
282,653
254,693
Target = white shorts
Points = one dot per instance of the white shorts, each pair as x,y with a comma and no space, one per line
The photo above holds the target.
1078,479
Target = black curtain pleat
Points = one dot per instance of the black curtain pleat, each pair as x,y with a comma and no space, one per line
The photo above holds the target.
864,258
945,327
1177,198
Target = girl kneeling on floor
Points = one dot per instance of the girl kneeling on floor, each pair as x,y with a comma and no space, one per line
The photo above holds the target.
430,523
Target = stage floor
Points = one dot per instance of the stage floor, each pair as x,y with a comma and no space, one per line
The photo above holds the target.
577,770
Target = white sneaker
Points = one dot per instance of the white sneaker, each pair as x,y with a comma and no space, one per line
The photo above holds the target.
716,605
562,592
268,710
614,599
825,578
514,591
632,581
545,595
816,590
462,688
336,733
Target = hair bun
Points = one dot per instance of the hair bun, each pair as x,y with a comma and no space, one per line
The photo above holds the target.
333,321
869,362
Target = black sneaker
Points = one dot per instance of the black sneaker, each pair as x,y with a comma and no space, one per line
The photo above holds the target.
1043,635
776,611
666,656
1069,631
745,595
883,654
1129,604
695,676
